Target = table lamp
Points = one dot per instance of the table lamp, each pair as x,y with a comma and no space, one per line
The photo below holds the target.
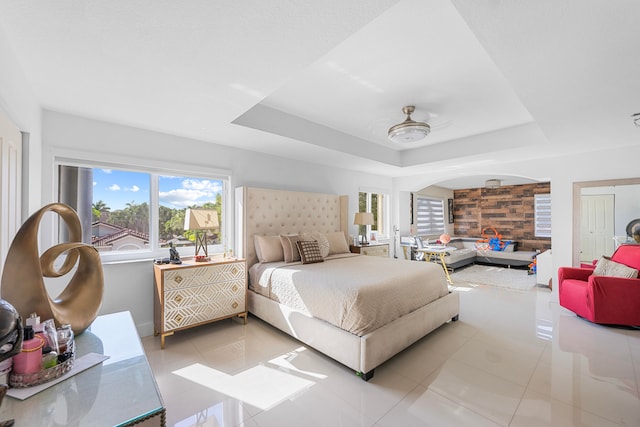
363,218
201,220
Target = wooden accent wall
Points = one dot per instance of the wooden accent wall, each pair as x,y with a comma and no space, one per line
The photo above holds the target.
508,209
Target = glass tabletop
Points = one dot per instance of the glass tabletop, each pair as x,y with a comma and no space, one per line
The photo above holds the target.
119,391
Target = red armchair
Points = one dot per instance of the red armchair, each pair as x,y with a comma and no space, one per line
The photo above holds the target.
603,299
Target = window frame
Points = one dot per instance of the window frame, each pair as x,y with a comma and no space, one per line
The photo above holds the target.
155,170
385,206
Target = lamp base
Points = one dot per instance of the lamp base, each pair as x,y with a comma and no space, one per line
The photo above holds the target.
201,246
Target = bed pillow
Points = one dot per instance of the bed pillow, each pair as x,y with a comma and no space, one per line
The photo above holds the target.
322,240
337,243
268,248
606,267
289,247
309,251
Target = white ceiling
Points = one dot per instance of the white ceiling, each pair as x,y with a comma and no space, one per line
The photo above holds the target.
323,81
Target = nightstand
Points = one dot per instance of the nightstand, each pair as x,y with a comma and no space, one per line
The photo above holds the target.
376,249
194,293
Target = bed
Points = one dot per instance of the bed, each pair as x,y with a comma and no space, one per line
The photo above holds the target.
361,332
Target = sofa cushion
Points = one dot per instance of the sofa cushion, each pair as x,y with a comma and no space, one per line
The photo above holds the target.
458,244
459,254
509,247
606,267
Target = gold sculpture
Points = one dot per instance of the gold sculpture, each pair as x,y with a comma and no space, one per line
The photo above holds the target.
24,271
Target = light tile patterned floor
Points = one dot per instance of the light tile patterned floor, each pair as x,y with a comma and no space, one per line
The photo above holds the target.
513,359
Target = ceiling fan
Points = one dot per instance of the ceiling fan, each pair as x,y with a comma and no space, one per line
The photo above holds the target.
409,130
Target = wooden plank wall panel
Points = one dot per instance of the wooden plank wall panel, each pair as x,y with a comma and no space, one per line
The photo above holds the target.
508,209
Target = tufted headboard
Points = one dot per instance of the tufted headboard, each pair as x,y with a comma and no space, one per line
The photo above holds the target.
273,212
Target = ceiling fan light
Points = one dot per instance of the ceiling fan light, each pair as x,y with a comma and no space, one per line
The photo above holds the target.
409,130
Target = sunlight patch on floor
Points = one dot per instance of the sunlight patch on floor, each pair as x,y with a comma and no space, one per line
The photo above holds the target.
260,386
285,361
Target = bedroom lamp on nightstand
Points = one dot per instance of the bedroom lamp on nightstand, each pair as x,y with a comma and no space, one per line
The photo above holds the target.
363,218
201,220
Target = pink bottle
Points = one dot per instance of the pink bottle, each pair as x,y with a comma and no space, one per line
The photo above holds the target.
29,359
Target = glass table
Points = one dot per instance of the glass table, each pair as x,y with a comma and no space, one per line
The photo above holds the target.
121,391
437,254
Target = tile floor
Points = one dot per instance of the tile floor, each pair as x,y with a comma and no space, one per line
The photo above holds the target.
515,358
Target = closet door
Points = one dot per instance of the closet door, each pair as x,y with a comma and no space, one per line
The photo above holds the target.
10,184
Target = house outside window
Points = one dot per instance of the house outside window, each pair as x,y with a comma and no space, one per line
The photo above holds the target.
129,214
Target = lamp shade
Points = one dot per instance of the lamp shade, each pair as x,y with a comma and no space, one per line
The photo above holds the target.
363,218
201,219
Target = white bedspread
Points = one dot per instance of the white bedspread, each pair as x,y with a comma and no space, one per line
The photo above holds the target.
353,292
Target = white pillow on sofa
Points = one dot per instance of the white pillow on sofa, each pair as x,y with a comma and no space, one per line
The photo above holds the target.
606,267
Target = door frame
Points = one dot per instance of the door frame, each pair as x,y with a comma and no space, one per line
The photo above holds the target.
577,192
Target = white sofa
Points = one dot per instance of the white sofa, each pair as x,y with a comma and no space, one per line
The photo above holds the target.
469,251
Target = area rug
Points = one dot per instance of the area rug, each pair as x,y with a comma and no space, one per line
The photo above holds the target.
491,275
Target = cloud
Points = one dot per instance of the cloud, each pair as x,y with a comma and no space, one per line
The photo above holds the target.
134,189
211,187
183,198
107,171
114,187
193,192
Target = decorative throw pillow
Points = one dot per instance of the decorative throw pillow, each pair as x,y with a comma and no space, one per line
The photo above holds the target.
291,253
309,251
337,243
606,267
322,240
268,248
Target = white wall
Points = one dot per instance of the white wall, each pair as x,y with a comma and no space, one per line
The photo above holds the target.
19,104
129,285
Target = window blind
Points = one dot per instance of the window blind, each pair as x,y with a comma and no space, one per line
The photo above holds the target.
429,216
542,209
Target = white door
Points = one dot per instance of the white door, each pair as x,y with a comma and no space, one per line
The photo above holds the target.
10,184
596,226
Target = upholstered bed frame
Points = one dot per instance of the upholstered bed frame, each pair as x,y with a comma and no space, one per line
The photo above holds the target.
274,212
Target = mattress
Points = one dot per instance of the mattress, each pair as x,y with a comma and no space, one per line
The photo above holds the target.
356,293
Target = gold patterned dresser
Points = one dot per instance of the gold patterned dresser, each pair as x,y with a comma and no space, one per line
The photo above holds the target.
195,293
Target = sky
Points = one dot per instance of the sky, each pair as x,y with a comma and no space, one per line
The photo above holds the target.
117,188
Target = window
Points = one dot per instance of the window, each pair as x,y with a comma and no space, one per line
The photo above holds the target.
542,209
429,216
378,205
127,214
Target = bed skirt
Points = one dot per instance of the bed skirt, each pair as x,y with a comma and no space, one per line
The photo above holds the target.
362,354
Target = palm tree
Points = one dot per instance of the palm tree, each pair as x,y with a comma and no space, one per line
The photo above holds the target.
100,210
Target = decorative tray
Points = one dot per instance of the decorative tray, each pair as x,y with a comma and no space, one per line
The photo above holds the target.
45,375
